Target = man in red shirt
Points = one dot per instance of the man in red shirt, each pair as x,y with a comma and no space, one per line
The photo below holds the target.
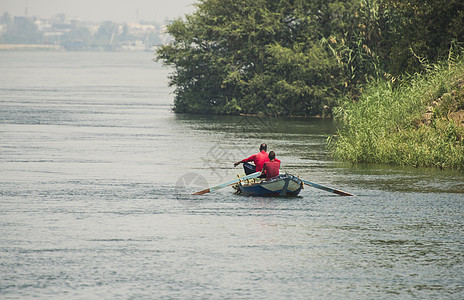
259,159
271,167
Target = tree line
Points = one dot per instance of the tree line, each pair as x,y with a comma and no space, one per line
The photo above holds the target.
301,57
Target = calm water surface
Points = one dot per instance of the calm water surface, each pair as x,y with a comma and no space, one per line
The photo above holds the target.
96,174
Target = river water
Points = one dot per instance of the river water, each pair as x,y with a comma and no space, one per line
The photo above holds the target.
96,176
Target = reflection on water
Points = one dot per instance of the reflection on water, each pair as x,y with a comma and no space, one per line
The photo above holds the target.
96,176
407,179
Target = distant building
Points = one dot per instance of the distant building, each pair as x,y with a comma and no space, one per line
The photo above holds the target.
140,30
3,29
72,34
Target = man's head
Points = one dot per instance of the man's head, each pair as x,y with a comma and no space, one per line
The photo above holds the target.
263,147
271,155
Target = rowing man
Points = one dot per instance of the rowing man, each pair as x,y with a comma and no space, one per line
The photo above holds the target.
259,159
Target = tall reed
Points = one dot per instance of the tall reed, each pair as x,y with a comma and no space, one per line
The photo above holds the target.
406,123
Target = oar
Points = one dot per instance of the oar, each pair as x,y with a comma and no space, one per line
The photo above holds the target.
326,188
223,185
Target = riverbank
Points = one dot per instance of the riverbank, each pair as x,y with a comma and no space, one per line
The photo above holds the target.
418,122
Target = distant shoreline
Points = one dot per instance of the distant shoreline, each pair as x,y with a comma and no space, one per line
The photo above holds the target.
6,47
39,47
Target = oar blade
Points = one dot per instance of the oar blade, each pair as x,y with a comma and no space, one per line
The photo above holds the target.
342,193
326,188
202,192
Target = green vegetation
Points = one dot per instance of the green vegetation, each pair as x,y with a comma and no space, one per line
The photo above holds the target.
416,122
299,57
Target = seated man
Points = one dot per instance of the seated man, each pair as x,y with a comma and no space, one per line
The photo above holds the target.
271,167
259,159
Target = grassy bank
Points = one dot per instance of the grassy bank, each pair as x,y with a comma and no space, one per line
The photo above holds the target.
418,122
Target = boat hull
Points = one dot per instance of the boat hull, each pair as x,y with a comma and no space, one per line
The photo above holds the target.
284,185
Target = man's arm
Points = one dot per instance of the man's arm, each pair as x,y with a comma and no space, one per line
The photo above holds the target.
251,158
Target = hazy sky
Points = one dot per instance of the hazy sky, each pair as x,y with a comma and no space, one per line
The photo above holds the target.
101,10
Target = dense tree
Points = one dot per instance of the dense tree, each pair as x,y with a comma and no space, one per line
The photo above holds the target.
260,56
298,57
425,31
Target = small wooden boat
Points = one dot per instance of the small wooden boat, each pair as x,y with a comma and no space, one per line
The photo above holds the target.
284,185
